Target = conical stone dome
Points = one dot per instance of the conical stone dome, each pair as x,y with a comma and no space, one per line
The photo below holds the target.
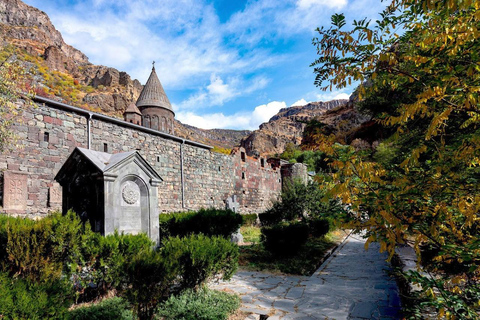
153,94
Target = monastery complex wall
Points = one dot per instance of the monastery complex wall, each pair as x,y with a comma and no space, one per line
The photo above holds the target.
193,176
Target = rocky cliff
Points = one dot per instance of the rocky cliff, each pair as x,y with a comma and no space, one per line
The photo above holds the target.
36,41
287,126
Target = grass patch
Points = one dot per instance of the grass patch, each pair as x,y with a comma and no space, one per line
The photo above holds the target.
250,234
304,262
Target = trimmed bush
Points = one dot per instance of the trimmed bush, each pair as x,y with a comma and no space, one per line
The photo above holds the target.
319,227
40,250
149,278
175,224
105,259
285,238
272,216
203,304
200,258
249,219
210,222
109,309
25,299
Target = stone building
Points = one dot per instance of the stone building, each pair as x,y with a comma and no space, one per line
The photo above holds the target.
153,109
192,176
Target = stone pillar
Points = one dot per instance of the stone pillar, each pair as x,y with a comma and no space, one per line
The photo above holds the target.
110,222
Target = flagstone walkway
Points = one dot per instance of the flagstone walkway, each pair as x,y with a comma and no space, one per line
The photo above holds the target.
351,284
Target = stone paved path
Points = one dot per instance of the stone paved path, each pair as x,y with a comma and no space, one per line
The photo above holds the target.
351,284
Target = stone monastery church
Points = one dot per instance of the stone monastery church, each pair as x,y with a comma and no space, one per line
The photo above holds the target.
121,174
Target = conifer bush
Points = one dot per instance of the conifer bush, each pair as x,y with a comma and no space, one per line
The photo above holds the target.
203,304
200,258
110,309
210,222
285,238
148,279
26,299
42,250
104,262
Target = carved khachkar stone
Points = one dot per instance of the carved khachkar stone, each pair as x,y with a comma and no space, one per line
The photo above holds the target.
55,196
15,191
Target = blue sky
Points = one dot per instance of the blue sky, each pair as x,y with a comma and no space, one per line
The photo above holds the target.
223,63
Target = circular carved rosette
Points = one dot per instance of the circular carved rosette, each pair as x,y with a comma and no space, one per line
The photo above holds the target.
130,193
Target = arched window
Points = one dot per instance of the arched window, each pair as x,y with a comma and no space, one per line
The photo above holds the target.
146,121
155,122
164,123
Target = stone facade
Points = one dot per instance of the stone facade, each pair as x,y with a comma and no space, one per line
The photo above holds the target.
112,191
193,176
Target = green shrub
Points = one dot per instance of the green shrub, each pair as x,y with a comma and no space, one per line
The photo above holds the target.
203,304
175,224
182,263
40,250
210,222
149,277
272,216
285,238
249,219
105,259
25,299
319,227
200,258
301,201
109,309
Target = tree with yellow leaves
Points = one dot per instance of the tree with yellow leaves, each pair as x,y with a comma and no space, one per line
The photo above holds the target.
421,185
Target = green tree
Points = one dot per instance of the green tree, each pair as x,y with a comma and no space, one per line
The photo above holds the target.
421,185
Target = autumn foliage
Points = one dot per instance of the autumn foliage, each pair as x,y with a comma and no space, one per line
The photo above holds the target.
421,184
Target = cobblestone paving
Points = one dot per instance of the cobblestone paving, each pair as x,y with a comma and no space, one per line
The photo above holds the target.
351,284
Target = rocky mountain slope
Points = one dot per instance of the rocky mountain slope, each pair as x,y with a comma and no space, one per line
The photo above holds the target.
222,138
289,124
59,67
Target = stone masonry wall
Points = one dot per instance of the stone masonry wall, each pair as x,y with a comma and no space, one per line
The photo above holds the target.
258,183
40,160
47,136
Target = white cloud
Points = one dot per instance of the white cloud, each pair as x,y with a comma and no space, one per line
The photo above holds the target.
218,92
308,4
333,95
342,96
214,120
264,112
300,102
327,96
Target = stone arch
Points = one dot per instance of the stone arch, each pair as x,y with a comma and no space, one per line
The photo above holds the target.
170,126
164,120
146,121
134,200
155,122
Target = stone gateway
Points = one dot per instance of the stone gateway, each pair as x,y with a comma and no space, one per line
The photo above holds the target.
111,191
